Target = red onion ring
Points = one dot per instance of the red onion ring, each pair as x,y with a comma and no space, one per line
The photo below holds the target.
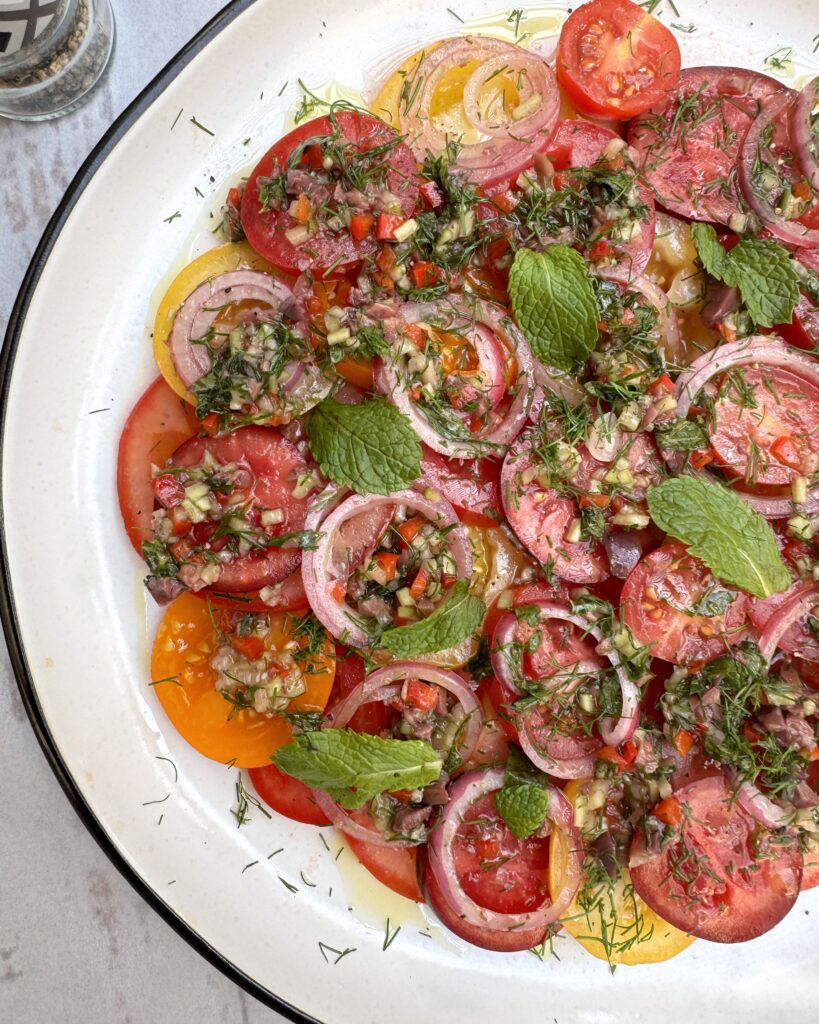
198,312
755,803
462,795
613,732
474,324
792,232
807,144
804,595
509,147
340,618
756,349
349,826
668,326
379,685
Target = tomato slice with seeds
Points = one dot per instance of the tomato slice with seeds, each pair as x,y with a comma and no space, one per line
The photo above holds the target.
273,464
157,425
690,142
326,250
672,603
184,680
614,59
722,877
766,426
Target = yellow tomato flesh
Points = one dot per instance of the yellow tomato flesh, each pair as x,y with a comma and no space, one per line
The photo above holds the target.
497,99
184,683
634,934
223,258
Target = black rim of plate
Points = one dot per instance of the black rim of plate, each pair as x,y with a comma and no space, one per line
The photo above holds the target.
8,615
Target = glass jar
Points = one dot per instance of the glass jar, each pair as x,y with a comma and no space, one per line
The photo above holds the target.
52,54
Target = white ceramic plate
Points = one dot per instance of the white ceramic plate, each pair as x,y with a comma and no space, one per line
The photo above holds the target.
78,624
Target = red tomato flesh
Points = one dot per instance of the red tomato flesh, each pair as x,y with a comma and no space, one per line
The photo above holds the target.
274,463
690,142
708,881
155,428
265,229
286,795
657,600
614,59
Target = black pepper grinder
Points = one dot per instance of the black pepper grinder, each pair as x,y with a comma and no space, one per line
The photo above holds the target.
52,54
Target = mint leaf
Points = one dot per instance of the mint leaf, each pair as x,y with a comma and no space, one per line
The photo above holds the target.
760,268
682,436
354,767
722,529
370,448
454,620
554,305
713,257
523,808
766,279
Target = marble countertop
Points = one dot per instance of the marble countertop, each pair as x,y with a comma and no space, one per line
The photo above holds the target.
76,942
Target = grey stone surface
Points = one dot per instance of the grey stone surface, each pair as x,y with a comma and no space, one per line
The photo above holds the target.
76,942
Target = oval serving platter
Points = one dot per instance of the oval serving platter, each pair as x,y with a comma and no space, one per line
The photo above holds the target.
281,911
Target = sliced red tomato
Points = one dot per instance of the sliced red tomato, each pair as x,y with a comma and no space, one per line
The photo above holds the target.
577,143
690,143
497,941
614,59
541,519
286,795
290,592
274,464
498,871
265,229
395,867
721,878
184,681
658,600
473,487
155,428
767,431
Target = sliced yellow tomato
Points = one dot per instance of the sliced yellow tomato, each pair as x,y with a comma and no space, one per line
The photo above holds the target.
613,923
223,258
446,110
184,683
400,93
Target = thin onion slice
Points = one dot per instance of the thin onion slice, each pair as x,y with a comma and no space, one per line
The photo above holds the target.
612,731
488,329
668,327
380,686
198,312
506,148
759,348
775,113
804,138
316,565
462,795
802,598
760,807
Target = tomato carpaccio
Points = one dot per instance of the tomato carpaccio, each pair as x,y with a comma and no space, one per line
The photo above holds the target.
462,554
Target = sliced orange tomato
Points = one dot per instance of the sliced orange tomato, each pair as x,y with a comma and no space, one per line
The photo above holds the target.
183,679
223,258
618,926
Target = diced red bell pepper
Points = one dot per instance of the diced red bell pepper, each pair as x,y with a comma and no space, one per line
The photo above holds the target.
168,490
385,226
